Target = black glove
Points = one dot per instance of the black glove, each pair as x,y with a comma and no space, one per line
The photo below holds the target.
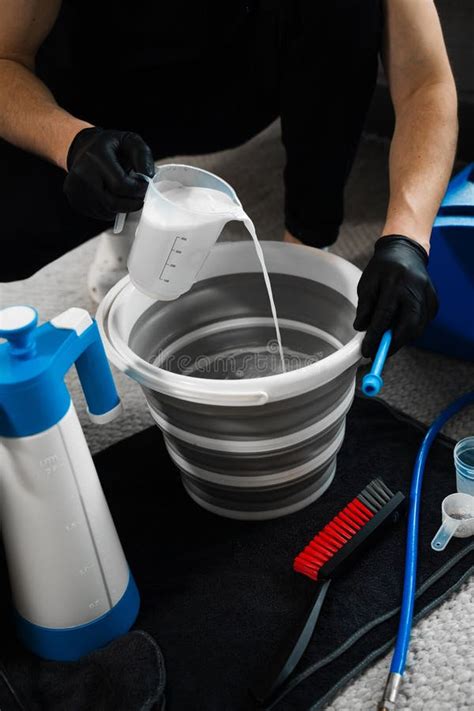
101,179
395,291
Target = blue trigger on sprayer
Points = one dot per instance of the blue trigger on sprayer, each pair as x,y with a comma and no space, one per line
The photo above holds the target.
372,382
71,586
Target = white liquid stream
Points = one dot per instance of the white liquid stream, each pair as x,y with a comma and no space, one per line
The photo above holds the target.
209,201
251,228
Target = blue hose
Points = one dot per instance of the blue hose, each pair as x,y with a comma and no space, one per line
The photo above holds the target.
409,585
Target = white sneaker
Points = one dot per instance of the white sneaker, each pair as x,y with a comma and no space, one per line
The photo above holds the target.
110,261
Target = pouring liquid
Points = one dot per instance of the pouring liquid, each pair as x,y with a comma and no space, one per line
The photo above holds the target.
258,248
210,201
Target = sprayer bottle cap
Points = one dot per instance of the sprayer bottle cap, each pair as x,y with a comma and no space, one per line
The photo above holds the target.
17,326
33,365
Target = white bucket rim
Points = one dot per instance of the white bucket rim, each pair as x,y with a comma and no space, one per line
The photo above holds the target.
233,393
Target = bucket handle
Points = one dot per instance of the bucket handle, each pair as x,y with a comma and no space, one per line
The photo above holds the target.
210,397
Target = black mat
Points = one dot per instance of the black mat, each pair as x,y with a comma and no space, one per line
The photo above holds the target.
218,595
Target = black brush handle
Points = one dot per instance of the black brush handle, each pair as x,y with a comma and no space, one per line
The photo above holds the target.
289,654
350,551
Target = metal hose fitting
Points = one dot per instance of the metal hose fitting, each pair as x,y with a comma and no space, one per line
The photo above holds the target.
392,687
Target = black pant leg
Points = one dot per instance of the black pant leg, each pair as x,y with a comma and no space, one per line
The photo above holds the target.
329,70
37,223
219,101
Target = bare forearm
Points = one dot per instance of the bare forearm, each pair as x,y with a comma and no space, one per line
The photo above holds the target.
30,117
421,160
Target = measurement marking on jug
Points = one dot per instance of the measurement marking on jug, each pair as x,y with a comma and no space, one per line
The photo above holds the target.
172,251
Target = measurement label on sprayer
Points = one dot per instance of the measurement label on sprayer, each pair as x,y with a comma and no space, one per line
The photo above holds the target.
173,257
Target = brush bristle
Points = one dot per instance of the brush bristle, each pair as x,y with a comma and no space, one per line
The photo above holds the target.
343,527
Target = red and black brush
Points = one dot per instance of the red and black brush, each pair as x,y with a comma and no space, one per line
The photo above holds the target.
327,555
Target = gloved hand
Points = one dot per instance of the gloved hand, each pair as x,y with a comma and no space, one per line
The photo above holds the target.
101,165
395,291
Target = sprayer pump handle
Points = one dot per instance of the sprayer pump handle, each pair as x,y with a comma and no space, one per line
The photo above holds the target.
17,326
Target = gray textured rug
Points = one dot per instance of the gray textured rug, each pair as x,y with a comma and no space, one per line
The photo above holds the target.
440,674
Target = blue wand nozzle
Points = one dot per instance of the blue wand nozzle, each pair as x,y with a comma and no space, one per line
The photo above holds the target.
372,382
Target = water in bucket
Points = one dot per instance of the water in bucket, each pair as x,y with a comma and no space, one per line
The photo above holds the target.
248,362
184,213
241,348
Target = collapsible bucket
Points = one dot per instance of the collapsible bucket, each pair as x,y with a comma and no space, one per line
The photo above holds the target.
248,445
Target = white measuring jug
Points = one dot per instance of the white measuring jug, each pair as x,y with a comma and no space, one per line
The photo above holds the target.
174,237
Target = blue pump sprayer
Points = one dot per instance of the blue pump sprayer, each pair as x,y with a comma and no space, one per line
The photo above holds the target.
71,586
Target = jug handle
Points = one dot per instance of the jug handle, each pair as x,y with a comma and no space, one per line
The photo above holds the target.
119,223
120,217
